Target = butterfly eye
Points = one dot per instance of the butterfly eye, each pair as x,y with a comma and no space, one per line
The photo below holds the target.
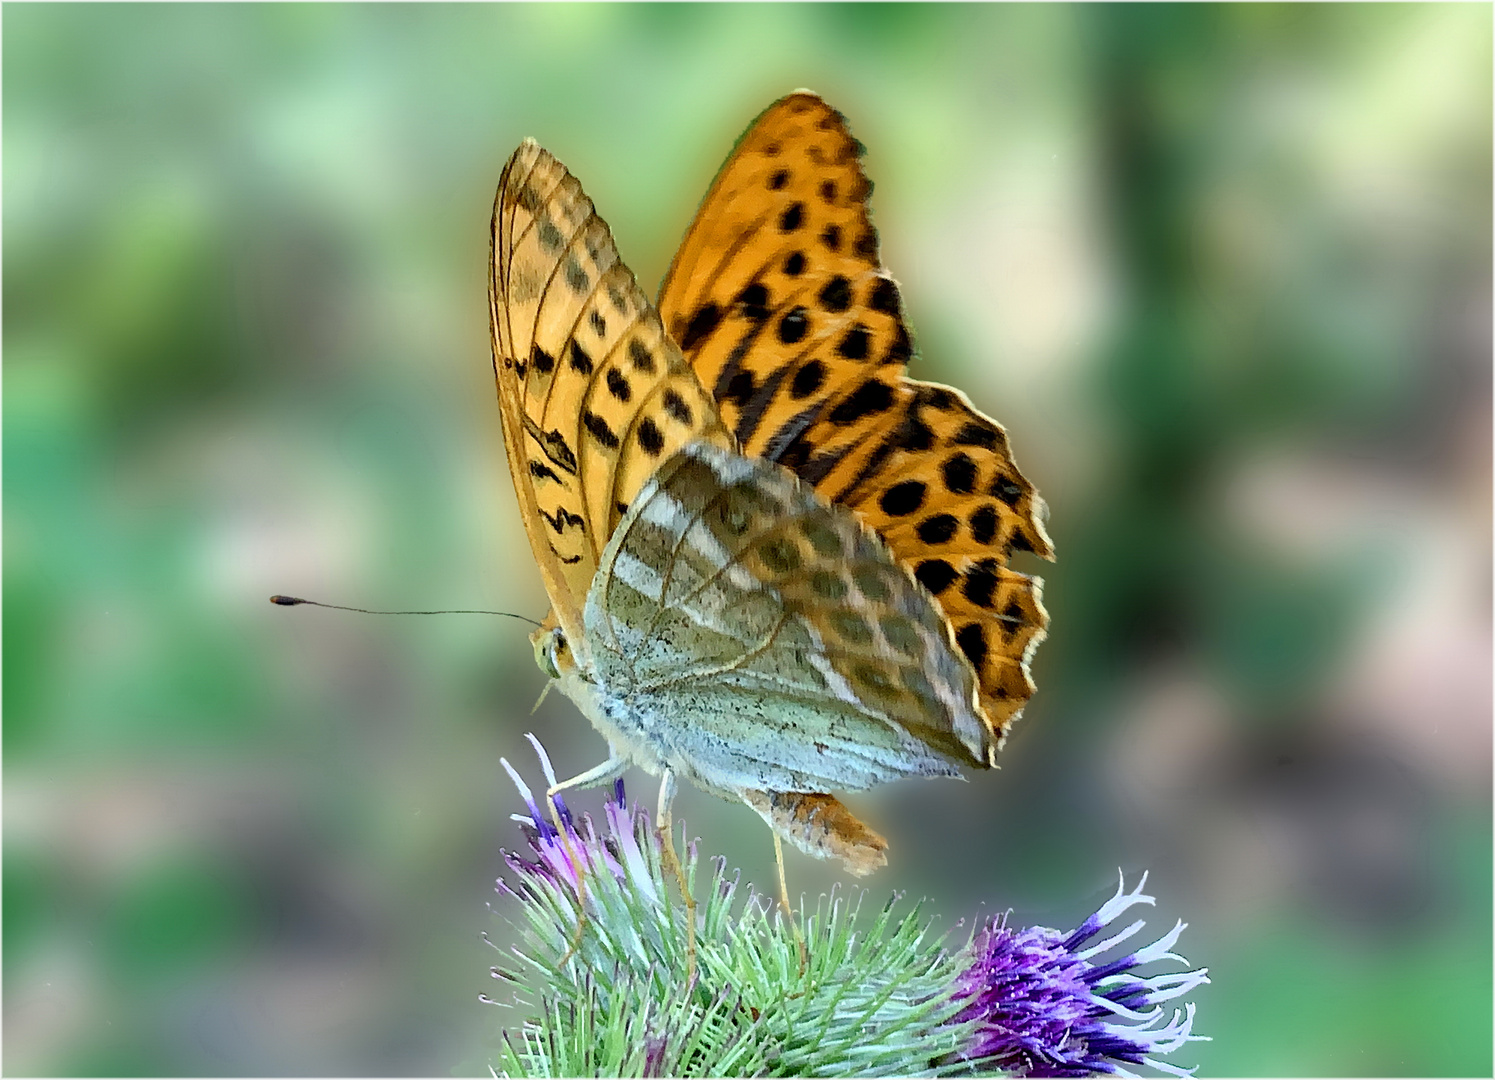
547,649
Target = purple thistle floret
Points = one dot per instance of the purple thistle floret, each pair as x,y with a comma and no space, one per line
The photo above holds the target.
1045,1006
557,855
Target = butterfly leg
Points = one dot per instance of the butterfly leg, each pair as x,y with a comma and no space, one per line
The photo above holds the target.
799,937
597,774
666,832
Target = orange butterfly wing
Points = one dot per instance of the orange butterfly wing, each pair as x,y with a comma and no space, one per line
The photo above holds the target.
779,300
592,391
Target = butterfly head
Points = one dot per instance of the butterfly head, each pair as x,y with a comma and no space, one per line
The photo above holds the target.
575,678
553,652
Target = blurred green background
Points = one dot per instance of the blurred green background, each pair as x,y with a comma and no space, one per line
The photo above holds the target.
1224,272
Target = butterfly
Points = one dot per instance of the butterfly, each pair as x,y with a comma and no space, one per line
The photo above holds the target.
777,565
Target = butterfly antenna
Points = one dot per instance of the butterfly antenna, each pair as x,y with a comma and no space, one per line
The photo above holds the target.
292,601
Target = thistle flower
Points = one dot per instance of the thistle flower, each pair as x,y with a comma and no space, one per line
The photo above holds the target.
601,962
1044,1005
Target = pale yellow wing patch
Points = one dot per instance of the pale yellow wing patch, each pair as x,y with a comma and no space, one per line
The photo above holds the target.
592,391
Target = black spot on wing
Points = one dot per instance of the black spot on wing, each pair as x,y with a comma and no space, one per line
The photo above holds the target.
871,397
598,429
793,326
576,277
794,454
649,437
640,357
676,406
562,518
528,198
884,297
972,641
807,380
937,398
554,445
937,529
701,324
912,434
935,575
792,218
541,360
752,301
835,296
580,361
984,524
1006,490
738,389
617,385
976,433
854,345
794,265
981,583
902,498
960,474
900,349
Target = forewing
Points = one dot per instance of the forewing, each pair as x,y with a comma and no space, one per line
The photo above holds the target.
776,295
781,303
786,648
593,393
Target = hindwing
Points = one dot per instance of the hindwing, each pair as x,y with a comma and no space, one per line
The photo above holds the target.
787,649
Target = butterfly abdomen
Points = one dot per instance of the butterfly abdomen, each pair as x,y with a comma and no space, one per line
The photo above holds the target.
820,825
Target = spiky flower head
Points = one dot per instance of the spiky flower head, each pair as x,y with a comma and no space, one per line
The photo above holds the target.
600,969
1046,1003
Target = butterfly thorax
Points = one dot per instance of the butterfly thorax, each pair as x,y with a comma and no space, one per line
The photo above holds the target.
604,704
